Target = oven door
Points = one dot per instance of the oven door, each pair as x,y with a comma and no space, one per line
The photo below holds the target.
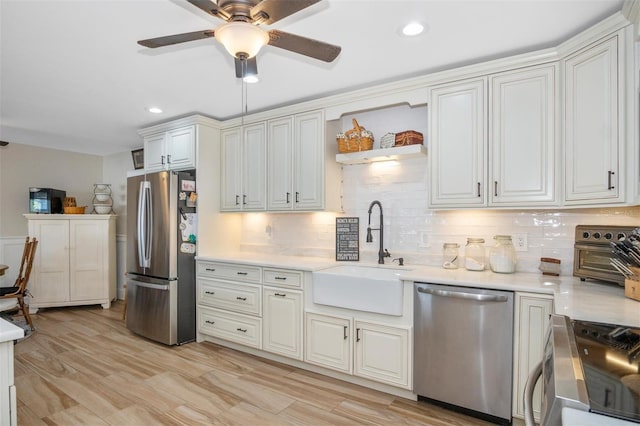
562,377
593,261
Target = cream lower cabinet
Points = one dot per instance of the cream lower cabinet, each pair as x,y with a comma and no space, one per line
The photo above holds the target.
531,321
380,352
282,322
75,260
252,305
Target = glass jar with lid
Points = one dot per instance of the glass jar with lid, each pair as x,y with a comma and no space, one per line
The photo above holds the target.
474,254
450,255
502,257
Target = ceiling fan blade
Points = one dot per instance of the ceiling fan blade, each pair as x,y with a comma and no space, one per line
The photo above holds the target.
270,11
210,7
175,39
246,67
304,46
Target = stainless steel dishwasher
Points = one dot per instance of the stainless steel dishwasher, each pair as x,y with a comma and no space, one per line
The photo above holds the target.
463,349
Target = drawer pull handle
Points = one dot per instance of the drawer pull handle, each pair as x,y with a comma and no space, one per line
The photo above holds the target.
210,269
610,183
281,278
242,273
241,298
280,294
345,332
209,292
210,322
242,330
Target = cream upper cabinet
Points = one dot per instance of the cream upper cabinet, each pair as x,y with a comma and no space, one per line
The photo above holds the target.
173,149
522,137
495,147
296,162
280,164
593,168
458,143
308,164
243,185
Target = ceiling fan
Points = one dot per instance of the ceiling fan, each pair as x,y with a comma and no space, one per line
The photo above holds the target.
243,38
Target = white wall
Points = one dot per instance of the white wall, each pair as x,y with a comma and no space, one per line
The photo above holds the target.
416,233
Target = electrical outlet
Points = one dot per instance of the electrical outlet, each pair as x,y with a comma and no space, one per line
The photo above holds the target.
520,242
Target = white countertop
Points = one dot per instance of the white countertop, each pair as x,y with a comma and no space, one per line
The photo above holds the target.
589,300
9,332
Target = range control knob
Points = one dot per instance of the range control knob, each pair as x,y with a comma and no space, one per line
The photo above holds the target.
608,236
620,236
597,235
586,235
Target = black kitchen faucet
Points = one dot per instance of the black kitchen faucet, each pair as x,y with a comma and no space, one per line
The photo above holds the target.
382,252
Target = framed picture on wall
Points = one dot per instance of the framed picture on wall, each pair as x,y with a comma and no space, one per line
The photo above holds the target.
138,158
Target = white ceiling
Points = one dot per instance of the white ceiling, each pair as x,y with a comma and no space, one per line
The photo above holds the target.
72,76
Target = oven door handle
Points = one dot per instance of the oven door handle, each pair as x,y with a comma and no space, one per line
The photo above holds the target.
529,387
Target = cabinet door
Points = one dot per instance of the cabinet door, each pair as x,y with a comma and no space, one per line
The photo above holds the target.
50,276
522,137
254,169
308,162
328,342
458,144
282,322
181,148
531,322
87,257
154,152
593,168
280,164
382,353
231,185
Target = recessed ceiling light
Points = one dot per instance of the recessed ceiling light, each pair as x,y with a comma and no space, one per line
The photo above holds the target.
251,79
154,110
413,29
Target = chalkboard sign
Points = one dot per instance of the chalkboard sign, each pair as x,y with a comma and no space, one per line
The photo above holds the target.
348,238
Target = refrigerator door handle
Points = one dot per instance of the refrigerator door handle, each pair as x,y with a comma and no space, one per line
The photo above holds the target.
162,287
144,225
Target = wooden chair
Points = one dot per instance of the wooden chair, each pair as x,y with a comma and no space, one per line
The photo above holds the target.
19,289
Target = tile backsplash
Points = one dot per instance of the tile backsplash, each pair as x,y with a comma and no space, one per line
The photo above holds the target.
412,230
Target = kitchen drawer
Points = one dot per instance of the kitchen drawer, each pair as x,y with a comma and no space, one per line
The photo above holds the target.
282,277
237,328
230,271
234,296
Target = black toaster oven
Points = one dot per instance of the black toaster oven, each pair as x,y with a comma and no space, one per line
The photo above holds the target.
46,200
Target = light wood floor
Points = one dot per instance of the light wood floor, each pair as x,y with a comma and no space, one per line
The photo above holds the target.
82,366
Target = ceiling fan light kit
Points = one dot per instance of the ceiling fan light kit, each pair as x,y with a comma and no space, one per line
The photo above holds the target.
241,36
242,40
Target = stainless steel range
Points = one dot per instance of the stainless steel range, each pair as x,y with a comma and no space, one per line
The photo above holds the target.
593,251
590,375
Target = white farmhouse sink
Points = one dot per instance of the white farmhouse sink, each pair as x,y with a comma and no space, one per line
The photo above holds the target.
363,288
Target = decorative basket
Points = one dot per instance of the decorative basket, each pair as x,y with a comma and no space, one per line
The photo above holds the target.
74,210
355,140
409,137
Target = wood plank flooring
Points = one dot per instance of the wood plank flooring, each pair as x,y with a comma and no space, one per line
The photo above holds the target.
83,367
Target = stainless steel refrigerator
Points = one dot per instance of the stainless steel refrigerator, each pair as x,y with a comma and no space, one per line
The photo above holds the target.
161,220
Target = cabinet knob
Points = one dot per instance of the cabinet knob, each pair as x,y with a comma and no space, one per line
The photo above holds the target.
357,334
241,298
210,322
237,200
288,195
209,292
479,195
345,332
244,330
162,160
169,159
280,294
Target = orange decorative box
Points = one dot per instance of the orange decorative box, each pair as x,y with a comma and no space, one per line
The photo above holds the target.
409,137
